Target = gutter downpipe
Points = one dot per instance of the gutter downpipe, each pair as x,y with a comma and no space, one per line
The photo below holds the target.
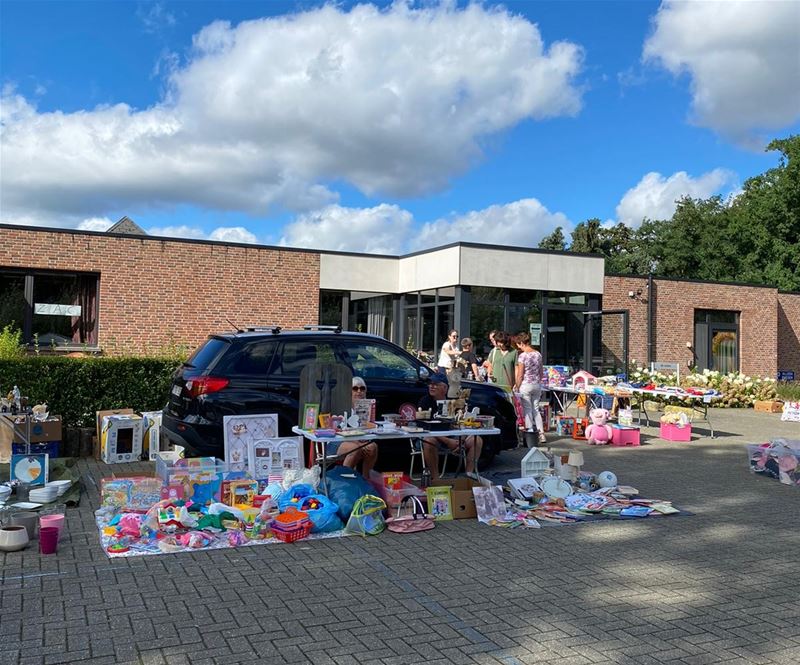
650,315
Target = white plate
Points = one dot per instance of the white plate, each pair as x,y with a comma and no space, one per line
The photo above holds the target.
556,488
26,505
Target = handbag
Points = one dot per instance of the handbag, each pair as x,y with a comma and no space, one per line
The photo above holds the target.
415,521
367,516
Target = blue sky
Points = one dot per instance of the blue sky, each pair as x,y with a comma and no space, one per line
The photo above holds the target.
386,128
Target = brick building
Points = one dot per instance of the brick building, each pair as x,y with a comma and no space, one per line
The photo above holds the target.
123,292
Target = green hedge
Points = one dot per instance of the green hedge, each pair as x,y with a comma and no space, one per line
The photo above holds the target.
75,388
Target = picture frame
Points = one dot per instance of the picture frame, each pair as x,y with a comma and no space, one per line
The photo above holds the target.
440,502
325,421
270,458
489,504
310,413
240,431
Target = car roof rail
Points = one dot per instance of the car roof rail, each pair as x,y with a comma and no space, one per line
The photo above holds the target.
336,329
273,329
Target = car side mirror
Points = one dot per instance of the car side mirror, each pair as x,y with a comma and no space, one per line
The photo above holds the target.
424,373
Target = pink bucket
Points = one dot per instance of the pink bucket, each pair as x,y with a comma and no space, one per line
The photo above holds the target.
55,520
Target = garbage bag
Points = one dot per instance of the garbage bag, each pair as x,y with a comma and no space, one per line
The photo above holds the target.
345,487
323,513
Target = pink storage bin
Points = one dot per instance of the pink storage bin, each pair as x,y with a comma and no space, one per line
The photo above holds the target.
670,432
624,436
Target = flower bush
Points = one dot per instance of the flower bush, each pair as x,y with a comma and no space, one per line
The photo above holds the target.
738,390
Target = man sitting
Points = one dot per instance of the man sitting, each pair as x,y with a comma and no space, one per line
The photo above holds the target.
437,391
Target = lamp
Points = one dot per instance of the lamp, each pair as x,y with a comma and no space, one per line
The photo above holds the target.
575,458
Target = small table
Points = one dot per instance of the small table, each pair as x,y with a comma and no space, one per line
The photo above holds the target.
698,403
396,435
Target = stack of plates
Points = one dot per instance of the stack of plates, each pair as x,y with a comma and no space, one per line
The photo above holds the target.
44,494
61,485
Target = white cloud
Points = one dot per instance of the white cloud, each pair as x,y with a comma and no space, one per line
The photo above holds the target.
95,224
383,229
520,223
233,234
264,113
156,18
655,196
180,231
742,57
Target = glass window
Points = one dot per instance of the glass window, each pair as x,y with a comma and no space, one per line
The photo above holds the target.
412,336
428,297
375,361
411,299
557,298
64,309
296,354
565,338
487,294
520,318
251,359
445,323
429,344
484,319
447,295
524,296
206,353
330,308
723,351
715,316
12,300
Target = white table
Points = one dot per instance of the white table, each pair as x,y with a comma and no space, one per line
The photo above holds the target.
394,435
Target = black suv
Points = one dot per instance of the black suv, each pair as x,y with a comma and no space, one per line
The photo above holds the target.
258,371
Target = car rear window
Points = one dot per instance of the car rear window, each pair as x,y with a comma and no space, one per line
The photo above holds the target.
205,354
251,359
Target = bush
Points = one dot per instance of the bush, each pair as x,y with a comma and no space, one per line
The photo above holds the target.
788,391
75,388
11,343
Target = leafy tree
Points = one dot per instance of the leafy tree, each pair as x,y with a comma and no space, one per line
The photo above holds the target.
586,237
555,241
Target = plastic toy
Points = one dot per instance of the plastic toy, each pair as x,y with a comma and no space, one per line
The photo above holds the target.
583,379
599,432
607,479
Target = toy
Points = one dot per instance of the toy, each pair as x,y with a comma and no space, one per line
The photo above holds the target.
607,479
599,432
583,377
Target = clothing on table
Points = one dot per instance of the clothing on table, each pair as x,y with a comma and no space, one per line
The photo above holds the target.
504,366
445,359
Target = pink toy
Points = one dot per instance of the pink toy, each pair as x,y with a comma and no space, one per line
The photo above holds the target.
599,432
130,524
582,380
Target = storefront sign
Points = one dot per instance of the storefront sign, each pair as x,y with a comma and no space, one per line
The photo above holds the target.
785,375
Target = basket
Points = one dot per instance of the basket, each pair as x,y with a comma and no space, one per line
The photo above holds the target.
290,535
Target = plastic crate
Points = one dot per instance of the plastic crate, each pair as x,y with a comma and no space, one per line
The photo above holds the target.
52,448
395,493
670,432
624,436
290,535
198,478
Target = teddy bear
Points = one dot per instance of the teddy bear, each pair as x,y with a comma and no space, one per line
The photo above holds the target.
599,432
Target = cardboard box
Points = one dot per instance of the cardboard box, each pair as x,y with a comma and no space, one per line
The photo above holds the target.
770,406
151,433
52,448
41,431
670,432
463,501
102,414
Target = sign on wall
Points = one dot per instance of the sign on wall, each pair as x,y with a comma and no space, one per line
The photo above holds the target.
536,333
785,375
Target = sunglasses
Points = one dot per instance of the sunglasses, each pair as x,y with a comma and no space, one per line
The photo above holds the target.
359,389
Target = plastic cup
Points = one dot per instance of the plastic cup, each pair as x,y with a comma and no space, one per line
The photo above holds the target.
55,520
48,539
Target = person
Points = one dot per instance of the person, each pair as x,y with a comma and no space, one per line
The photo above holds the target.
504,361
449,361
528,385
353,452
470,359
437,391
487,364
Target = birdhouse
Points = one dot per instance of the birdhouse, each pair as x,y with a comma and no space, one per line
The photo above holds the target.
582,380
534,464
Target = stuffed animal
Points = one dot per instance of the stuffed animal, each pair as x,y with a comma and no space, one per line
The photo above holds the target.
599,432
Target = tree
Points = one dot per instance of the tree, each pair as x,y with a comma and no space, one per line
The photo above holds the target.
554,241
586,237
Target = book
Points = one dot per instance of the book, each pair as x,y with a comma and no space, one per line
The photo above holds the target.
489,504
524,488
440,502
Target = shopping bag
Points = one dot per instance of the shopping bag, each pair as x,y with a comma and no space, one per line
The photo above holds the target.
367,516
323,513
518,408
411,517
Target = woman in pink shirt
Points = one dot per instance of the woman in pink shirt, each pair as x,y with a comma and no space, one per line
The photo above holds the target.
528,385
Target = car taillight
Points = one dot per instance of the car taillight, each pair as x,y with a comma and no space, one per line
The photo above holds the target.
204,385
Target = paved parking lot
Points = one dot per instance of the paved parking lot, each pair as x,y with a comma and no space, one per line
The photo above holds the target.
721,586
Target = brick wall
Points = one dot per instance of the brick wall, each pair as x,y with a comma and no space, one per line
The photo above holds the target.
789,332
675,302
158,292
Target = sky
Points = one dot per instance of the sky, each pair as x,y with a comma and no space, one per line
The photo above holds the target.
386,128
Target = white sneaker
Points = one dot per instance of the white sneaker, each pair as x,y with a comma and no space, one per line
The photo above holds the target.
472,475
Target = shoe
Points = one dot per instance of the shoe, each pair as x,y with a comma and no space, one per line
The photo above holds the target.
542,438
472,475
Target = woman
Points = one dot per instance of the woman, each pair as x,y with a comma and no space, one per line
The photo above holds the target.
448,362
353,452
504,361
528,385
487,364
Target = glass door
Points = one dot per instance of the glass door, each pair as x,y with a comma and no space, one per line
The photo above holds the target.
723,351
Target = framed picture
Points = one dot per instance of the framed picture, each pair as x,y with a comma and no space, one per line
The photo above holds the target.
310,413
325,421
269,458
440,503
365,409
32,469
240,431
489,503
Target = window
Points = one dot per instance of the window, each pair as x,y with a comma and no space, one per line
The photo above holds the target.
428,316
330,308
251,359
206,353
51,309
375,361
716,340
295,355
370,313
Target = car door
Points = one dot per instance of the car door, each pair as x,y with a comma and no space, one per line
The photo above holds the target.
392,375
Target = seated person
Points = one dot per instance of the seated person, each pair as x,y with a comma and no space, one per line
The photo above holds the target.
353,452
437,391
